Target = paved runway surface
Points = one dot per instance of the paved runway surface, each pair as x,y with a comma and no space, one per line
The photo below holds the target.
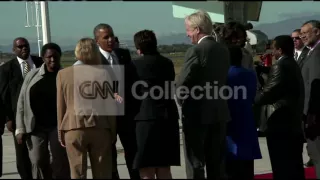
10,170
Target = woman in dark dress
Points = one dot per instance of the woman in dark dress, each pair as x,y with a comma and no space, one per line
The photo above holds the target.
157,126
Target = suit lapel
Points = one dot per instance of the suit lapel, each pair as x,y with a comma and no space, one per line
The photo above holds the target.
104,60
16,69
119,56
303,56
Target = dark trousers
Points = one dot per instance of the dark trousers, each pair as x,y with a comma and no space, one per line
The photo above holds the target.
240,169
24,166
127,135
205,148
285,151
1,156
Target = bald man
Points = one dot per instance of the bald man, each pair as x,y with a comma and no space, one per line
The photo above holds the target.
12,74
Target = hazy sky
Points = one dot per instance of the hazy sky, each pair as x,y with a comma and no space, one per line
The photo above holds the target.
77,19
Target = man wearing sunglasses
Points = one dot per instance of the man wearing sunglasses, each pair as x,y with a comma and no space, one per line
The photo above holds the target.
12,74
300,50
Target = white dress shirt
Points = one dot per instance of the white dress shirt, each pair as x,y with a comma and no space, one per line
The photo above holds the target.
30,63
114,63
113,59
298,51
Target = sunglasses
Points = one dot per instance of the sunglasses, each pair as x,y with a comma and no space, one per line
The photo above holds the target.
296,38
22,46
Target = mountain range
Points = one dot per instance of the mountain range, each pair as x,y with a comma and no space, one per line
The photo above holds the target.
271,29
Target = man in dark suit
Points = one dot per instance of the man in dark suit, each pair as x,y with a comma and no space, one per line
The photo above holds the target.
300,54
2,125
204,118
12,74
300,50
284,95
310,35
112,57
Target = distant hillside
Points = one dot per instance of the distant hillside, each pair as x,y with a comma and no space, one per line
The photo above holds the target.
163,40
284,27
271,29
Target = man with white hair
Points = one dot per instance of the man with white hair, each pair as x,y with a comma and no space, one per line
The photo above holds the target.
204,115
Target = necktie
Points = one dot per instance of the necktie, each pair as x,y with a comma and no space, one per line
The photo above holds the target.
111,60
296,56
26,68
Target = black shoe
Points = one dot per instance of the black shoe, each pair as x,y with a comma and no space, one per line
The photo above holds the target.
309,163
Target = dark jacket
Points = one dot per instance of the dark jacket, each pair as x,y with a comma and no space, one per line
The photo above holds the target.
284,93
206,63
303,56
131,106
156,70
11,80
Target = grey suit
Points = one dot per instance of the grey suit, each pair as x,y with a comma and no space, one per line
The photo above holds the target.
303,56
38,139
204,120
311,76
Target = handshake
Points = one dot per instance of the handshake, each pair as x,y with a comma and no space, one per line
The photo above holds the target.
118,98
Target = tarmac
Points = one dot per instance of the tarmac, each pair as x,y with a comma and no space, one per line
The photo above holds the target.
10,171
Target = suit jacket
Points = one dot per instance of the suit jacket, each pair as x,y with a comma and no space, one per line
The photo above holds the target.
76,112
2,117
284,95
311,76
131,104
11,80
241,129
25,121
156,70
206,62
301,60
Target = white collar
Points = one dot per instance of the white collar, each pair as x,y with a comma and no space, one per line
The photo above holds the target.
28,60
202,38
280,58
105,53
299,50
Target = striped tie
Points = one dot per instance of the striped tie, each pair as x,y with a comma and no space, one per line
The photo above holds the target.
26,68
296,56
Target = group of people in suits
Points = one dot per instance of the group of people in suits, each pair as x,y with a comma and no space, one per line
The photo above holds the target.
53,133
290,100
52,139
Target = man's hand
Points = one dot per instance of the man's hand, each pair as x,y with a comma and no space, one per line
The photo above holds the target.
118,98
9,125
312,127
311,120
19,138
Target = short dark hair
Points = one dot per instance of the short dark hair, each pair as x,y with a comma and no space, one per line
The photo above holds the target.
235,54
50,46
297,30
116,39
285,43
146,41
248,26
230,29
314,23
19,38
100,26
